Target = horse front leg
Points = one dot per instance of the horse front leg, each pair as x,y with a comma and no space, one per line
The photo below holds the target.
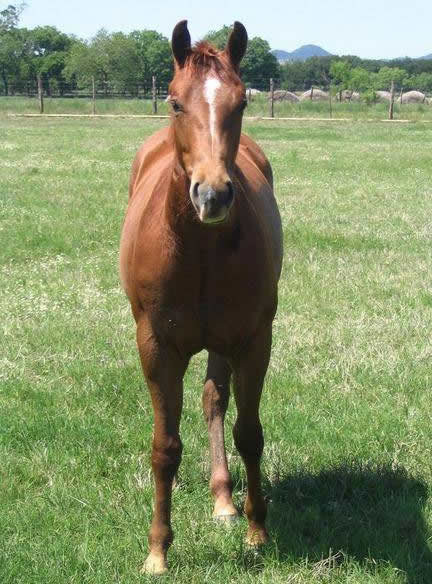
163,369
249,372
215,402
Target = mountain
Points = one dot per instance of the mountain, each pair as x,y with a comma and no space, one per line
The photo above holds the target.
426,57
300,54
282,56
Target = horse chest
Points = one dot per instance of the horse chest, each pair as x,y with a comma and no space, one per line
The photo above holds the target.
216,305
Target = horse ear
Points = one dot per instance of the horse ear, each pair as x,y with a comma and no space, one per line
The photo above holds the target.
237,43
181,42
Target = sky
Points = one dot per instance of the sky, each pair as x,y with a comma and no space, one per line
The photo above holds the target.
367,28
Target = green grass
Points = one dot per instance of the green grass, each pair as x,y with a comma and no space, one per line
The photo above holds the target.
258,107
346,407
56,105
358,111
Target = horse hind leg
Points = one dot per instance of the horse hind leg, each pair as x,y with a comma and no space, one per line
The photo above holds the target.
215,402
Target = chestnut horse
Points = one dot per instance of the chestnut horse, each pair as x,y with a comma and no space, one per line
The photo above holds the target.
200,259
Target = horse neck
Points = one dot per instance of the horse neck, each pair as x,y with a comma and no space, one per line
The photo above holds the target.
178,206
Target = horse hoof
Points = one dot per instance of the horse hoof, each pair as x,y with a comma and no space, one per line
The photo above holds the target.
224,510
154,565
257,537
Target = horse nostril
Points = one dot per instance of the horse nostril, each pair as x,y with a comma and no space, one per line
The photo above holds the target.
195,190
230,193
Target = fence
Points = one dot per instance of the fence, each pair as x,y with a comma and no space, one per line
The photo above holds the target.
274,102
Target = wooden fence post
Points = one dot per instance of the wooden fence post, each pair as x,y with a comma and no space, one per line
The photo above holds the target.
40,94
391,100
249,95
93,96
271,97
330,103
311,95
154,94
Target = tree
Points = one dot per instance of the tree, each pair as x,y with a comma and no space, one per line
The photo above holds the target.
9,61
386,75
10,43
154,57
100,55
258,64
219,38
346,77
361,80
302,75
421,82
340,73
9,17
81,64
111,59
48,54
293,75
123,62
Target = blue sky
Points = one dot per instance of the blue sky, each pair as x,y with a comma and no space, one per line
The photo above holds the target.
368,28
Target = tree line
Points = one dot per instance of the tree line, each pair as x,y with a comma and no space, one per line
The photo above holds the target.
361,75
125,63
116,62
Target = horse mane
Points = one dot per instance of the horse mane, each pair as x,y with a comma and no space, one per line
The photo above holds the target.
204,57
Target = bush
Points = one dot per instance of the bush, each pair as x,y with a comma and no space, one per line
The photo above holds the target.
369,97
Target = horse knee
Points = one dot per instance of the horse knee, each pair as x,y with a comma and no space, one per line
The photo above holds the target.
249,440
166,456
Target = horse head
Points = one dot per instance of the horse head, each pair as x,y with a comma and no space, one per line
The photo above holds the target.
207,98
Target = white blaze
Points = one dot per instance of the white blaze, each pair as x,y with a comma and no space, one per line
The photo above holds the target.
211,87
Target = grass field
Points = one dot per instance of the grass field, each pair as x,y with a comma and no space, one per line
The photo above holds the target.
347,404
258,107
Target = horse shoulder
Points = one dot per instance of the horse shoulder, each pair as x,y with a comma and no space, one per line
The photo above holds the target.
151,152
257,178
144,237
250,149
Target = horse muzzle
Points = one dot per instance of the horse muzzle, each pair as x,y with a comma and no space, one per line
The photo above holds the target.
211,205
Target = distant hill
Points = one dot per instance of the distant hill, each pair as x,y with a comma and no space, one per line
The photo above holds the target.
306,51
301,54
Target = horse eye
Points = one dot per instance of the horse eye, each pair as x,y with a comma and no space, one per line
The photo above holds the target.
176,106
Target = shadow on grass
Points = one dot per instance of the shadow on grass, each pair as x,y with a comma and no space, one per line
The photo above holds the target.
369,515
